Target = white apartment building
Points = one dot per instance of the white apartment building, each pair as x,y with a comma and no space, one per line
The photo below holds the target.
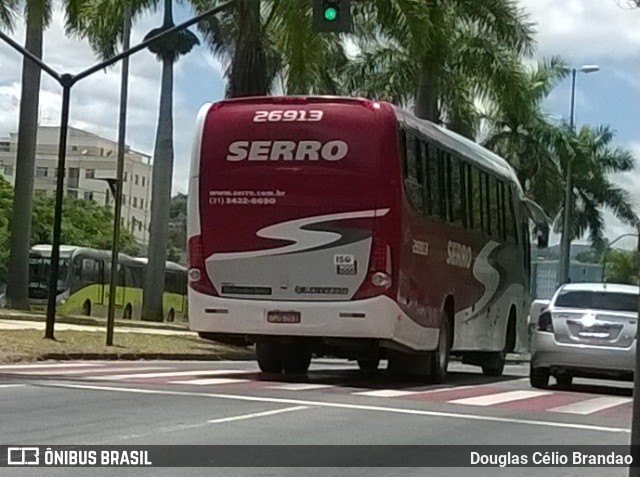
90,158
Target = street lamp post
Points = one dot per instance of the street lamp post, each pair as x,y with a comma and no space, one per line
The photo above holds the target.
565,242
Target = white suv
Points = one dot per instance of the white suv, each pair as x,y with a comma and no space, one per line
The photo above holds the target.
588,330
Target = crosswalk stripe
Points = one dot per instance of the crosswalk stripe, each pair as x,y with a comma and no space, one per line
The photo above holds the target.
210,381
385,393
591,405
48,365
200,372
499,398
69,372
300,386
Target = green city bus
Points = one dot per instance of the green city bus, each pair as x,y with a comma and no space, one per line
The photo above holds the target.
83,283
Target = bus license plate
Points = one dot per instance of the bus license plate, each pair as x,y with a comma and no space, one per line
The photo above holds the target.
283,317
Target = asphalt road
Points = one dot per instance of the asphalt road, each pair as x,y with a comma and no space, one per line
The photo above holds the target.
160,402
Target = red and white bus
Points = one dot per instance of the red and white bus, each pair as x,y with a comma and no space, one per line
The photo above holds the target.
350,228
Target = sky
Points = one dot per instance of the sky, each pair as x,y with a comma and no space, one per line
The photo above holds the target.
601,32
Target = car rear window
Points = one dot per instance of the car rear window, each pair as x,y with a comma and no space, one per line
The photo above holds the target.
598,300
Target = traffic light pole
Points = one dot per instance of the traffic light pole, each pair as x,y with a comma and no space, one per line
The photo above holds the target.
67,81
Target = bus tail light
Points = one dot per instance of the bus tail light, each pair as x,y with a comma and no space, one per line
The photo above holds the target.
379,278
198,279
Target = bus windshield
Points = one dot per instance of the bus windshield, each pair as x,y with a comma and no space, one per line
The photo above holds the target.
39,270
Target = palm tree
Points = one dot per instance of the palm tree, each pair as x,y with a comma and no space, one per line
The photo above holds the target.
101,22
37,15
8,12
442,56
519,131
622,267
595,158
262,40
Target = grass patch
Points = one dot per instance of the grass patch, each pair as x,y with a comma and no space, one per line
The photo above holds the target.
29,345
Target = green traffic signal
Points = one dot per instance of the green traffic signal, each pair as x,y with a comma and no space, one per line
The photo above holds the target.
330,14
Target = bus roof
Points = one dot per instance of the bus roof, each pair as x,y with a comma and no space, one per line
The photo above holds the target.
464,147
68,251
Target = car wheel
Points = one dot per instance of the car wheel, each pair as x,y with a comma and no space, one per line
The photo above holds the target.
539,377
564,380
269,359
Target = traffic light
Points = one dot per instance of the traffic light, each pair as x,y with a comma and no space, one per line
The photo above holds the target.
332,15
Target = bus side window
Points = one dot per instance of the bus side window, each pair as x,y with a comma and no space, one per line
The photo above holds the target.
434,181
468,196
486,203
476,200
454,187
512,233
413,181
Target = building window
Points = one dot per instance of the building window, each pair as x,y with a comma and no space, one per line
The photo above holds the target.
135,202
144,180
74,148
124,199
8,170
88,196
137,178
124,179
72,193
90,174
42,171
142,203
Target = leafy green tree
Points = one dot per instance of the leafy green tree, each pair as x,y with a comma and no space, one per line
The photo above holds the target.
85,223
101,22
622,267
520,131
37,14
595,158
440,56
177,227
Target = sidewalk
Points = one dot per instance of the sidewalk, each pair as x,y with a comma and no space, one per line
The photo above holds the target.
118,328
11,319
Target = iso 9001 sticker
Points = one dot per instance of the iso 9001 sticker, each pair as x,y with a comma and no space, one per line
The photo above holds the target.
345,264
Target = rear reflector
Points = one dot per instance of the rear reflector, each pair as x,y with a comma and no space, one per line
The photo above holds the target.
197,274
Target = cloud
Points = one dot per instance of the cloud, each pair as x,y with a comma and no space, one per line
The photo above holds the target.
95,100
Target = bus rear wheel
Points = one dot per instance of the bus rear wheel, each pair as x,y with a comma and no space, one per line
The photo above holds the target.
171,316
86,308
296,359
269,357
439,359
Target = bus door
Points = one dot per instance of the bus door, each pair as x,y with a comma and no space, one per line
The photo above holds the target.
119,284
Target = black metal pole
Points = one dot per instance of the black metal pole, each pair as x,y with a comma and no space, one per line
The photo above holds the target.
122,126
635,418
67,83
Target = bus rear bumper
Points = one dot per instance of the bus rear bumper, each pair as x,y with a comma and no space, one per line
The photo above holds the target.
378,318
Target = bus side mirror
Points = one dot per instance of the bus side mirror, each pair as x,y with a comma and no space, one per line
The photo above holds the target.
542,233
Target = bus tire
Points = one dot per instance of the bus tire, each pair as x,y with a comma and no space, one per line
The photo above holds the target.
171,316
369,364
269,357
495,361
296,359
86,308
439,358
128,312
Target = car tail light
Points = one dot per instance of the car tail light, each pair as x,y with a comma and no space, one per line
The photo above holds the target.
545,322
197,274
379,277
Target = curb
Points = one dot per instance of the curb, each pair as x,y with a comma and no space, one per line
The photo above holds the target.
147,356
90,321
